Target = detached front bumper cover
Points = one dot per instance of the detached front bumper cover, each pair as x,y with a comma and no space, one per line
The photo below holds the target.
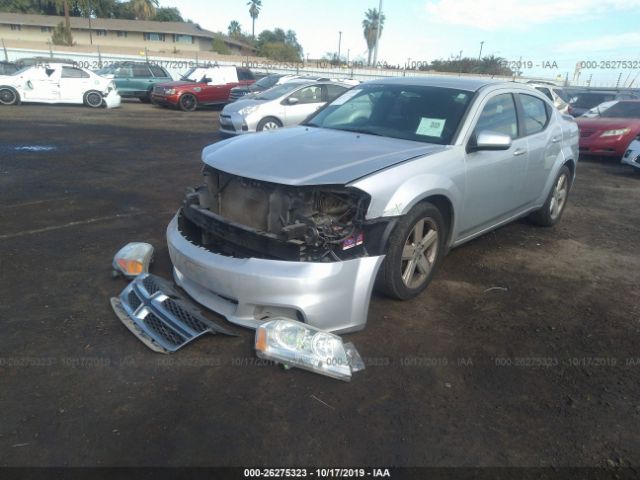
161,318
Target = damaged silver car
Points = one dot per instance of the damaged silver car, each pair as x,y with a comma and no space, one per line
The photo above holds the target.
373,189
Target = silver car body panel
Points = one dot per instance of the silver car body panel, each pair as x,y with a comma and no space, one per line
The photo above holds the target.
632,156
484,190
332,295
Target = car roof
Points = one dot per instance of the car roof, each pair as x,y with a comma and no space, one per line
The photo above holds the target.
471,84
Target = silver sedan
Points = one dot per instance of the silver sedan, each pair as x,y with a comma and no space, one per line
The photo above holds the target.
284,105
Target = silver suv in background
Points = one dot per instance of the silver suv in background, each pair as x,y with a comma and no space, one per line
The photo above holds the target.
380,184
284,105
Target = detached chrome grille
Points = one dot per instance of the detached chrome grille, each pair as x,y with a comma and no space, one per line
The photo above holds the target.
159,316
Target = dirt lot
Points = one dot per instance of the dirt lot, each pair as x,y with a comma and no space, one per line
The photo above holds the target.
543,371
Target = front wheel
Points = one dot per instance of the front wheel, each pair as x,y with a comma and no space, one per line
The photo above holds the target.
416,248
188,102
93,99
552,209
9,96
269,123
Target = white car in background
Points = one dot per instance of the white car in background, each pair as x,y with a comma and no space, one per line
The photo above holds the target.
598,109
632,156
58,83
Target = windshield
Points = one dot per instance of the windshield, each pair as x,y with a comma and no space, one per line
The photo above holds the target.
422,114
623,110
267,82
277,91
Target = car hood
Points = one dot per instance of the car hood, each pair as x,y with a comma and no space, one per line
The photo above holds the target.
239,104
602,123
311,156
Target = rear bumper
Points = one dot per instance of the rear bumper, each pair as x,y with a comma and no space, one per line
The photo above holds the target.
332,296
112,99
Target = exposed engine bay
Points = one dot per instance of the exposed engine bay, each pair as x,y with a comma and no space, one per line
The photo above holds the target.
242,217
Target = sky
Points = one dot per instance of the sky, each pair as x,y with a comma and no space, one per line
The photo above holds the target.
553,35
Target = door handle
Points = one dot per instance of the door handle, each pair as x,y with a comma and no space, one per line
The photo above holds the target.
519,151
556,139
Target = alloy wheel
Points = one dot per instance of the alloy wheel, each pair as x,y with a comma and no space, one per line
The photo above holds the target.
419,253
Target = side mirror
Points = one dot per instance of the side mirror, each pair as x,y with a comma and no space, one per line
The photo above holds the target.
292,100
206,80
491,141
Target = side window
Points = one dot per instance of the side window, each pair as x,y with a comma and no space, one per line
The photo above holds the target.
334,91
122,72
158,71
141,71
70,72
499,115
535,114
312,94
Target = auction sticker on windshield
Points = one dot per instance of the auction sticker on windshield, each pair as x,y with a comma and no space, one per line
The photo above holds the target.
430,127
346,96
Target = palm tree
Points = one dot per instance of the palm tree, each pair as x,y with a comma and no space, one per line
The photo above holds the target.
370,29
144,9
234,28
254,11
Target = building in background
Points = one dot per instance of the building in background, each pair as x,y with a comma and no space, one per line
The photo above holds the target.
107,32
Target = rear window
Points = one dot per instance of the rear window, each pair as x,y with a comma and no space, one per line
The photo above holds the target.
158,71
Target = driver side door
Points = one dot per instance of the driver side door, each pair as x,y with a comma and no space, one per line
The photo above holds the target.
309,99
494,179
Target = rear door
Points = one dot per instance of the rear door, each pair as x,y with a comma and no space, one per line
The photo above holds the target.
141,80
544,140
307,100
74,82
494,178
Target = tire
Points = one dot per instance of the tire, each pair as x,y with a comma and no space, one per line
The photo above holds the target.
188,103
93,99
407,270
269,123
9,96
552,210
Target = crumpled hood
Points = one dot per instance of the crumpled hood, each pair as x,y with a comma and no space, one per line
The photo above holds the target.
311,156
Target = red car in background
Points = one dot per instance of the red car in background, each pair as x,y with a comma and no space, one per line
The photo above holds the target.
201,86
611,133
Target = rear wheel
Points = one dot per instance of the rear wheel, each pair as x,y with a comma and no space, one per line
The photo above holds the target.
269,123
9,96
552,209
188,102
93,99
416,248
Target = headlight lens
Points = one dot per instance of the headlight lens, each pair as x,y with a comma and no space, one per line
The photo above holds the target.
296,344
169,91
248,110
615,133
133,259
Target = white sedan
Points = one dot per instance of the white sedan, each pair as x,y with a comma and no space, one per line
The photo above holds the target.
58,83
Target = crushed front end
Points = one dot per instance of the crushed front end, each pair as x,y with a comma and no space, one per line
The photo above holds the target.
252,250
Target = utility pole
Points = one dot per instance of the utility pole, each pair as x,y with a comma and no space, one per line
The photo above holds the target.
339,42
89,15
480,54
375,53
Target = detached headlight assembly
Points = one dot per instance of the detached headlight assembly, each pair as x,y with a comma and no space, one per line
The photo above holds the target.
133,259
248,109
296,344
615,133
